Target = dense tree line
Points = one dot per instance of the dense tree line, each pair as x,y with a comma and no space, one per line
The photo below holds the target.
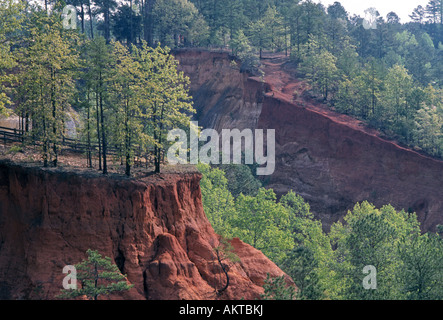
328,265
127,97
390,76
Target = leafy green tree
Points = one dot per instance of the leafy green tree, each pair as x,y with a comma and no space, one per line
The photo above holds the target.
336,26
275,28
277,289
422,272
98,76
263,223
240,44
178,18
127,126
240,179
427,132
98,277
296,205
126,24
398,86
319,67
46,82
308,263
165,96
302,266
369,88
371,236
218,201
259,35
10,23
105,8
232,16
312,18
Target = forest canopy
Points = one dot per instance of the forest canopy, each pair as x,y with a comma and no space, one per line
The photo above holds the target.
389,76
328,265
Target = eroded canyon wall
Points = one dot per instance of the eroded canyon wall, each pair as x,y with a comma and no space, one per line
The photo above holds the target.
329,159
154,229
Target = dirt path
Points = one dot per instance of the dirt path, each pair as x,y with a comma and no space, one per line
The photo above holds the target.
281,78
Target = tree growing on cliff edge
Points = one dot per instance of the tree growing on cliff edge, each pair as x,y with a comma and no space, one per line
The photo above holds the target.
46,80
9,24
165,96
98,277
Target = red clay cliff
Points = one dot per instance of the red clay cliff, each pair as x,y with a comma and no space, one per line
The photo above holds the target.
154,229
332,160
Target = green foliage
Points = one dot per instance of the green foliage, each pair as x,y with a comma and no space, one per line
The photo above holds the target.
165,96
372,236
46,80
127,24
256,219
179,17
302,266
319,66
328,265
240,179
127,122
267,32
98,277
218,201
277,289
422,272
10,23
263,223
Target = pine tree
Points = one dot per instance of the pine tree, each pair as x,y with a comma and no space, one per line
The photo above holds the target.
46,82
277,289
319,66
126,24
10,23
126,126
398,85
418,15
98,277
164,96
433,11
98,74
105,8
174,19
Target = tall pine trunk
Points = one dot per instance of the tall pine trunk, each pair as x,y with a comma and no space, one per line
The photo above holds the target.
148,24
82,15
89,156
102,121
54,121
98,130
91,22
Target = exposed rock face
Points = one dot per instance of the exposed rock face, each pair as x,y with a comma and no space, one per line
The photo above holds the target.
223,96
154,229
332,160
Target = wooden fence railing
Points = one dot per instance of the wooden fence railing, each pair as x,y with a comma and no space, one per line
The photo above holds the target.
8,135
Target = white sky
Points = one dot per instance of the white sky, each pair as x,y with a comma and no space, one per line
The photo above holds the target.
403,8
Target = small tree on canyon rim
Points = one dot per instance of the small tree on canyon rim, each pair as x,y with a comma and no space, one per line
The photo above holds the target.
98,277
